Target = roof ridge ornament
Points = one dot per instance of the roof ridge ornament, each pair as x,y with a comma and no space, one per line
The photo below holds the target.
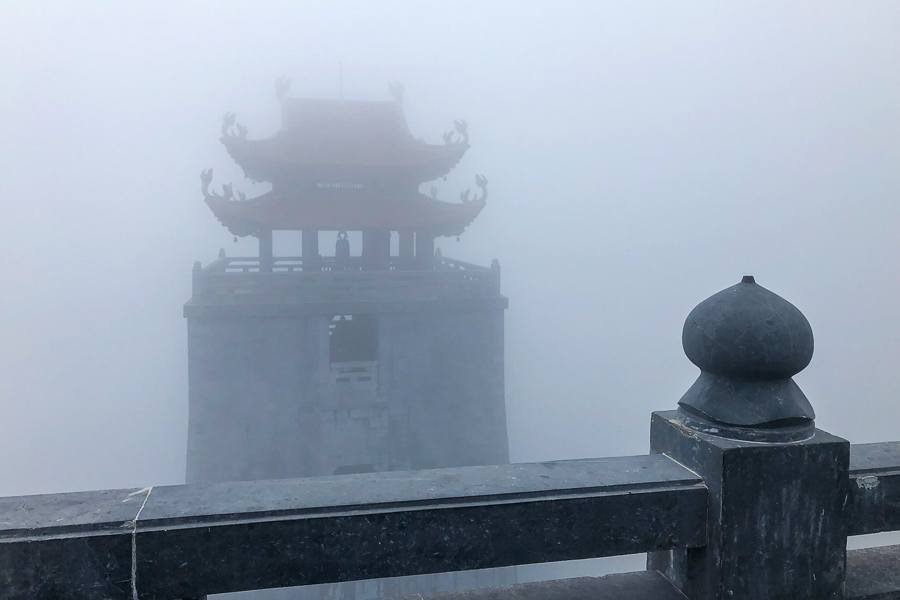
459,134
466,197
228,192
748,343
231,128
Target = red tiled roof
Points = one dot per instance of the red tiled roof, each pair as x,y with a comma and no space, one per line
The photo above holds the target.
343,141
355,210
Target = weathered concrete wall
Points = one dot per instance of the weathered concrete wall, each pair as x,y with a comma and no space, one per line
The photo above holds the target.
264,402
444,375
251,412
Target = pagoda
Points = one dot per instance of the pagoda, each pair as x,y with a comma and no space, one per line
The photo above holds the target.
378,357
345,165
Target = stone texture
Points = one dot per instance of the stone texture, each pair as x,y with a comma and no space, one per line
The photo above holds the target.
344,528
170,505
80,545
645,585
75,545
873,574
210,538
74,566
874,488
776,522
748,343
264,403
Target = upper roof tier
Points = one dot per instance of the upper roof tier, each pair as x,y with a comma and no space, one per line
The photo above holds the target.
343,141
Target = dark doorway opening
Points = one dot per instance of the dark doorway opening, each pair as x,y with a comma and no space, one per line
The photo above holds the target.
353,338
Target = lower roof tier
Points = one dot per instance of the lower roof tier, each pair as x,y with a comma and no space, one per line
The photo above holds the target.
338,212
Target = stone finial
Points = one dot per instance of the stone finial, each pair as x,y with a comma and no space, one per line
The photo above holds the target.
749,343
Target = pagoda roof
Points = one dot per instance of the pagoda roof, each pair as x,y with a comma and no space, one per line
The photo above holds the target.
327,211
343,141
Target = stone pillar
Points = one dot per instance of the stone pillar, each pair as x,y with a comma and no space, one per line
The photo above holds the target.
265,251
376,249
424,250
777,485
309,249
406,247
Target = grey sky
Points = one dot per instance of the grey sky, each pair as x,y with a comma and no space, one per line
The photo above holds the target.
641,156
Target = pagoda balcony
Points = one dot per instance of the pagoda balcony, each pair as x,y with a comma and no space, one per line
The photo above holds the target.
341,284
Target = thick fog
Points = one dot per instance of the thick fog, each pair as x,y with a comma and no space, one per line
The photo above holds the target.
641,157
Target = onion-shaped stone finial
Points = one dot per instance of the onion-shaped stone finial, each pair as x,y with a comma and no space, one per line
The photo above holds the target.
748,343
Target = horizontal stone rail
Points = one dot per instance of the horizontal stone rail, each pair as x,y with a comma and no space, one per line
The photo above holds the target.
872,574
874,488
186,541
172,542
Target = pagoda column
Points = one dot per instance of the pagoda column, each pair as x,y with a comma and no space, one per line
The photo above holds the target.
406,247
424,250
309,249
265,251
376,249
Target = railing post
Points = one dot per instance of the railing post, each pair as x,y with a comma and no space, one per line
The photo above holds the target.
777,485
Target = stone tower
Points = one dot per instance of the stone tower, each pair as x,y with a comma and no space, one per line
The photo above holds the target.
343,359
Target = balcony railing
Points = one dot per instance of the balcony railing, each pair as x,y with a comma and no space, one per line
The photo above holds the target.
230,280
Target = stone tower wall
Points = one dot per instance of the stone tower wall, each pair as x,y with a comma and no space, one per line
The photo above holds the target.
265,403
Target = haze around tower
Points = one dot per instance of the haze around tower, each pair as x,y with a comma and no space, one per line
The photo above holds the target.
641,156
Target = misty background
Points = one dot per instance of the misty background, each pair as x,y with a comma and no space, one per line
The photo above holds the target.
641,157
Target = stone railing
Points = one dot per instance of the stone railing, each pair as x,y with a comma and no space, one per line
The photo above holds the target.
239,280
741,497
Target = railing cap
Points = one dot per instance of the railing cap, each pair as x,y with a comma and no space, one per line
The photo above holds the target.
748,343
